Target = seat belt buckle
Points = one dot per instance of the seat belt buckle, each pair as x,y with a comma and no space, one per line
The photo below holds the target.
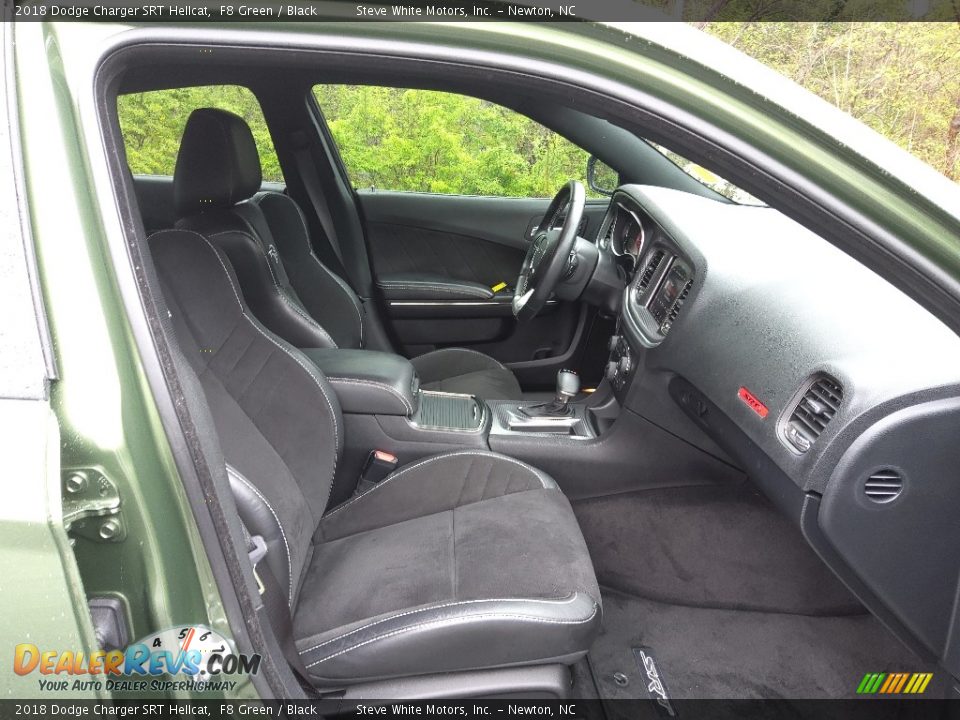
378,465
256,552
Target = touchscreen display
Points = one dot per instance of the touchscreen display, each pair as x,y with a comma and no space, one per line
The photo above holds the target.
668,293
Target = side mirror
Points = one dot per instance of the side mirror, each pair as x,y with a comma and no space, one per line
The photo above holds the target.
601,178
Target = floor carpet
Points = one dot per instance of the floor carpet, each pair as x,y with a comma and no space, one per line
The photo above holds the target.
715,653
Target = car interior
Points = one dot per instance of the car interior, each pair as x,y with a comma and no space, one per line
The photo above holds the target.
531,447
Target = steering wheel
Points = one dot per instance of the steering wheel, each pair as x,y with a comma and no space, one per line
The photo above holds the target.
548,252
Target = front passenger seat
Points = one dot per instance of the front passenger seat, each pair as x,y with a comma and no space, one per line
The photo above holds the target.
216,186
463,561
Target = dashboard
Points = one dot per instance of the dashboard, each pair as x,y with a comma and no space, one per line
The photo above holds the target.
761,343
624,230
661,274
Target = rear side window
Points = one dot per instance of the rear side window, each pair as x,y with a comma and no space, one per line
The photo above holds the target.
438,142
152,124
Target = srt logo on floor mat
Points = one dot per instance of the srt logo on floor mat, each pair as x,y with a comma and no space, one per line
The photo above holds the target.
656,685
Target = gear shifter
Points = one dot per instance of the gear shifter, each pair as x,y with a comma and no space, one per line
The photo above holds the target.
568,385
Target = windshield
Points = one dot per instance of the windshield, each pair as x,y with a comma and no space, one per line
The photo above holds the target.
708,178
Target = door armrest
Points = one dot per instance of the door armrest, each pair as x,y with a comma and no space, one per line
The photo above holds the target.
424,286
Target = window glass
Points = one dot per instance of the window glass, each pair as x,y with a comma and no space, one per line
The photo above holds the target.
438,142
152,124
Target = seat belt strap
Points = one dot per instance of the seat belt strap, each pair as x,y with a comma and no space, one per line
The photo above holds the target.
275,603
318,199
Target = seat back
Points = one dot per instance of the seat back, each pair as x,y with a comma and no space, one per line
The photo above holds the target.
277,419
328,299
264,234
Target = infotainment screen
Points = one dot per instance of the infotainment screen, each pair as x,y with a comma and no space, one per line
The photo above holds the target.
669,291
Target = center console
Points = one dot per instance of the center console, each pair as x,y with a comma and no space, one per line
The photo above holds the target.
508,418
559,416
449,412
384,408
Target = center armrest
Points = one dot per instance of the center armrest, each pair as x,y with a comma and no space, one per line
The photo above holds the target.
368,382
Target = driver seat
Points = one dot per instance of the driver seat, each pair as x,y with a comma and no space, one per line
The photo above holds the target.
216,188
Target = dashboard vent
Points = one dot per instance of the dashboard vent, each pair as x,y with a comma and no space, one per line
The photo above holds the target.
675,310
813,413
650,270
884,485
608,235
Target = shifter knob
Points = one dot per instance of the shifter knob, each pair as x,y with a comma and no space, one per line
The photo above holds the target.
568,385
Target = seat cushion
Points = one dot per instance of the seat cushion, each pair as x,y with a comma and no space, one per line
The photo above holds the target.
459,370
464,560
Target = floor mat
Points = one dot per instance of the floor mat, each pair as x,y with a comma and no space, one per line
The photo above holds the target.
712,653
709,546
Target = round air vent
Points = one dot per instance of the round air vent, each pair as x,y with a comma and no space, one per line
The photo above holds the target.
884,485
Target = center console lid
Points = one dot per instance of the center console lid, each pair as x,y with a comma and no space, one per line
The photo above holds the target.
369,382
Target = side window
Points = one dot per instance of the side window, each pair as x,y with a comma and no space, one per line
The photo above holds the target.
152,124
437,142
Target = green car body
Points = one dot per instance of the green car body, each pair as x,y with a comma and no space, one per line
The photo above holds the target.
76,405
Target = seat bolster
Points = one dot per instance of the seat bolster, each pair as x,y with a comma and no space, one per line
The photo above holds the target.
468,635
328,299
435,484
270,300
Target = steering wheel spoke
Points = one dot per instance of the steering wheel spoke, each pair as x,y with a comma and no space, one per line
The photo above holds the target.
547,255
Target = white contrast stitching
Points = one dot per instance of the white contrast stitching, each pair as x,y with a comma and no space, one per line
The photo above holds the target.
474,618
433,458
280,291
450,288
545,601
336,278
360,381
255,325
237,474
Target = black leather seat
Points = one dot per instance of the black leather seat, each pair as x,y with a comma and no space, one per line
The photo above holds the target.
217,192
459,561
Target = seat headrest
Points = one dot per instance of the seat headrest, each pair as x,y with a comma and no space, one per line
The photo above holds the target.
218,164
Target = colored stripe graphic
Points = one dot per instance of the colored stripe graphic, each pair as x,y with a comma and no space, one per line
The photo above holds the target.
894,683
870,683
891,681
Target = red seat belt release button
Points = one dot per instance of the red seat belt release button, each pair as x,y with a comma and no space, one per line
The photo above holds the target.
378,465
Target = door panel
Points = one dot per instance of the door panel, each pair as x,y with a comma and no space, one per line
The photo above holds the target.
474,239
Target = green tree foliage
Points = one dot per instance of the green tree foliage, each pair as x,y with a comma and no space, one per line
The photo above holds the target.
152,124
796,11
901,79
429,141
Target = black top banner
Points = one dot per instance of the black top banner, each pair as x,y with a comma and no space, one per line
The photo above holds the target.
695,11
